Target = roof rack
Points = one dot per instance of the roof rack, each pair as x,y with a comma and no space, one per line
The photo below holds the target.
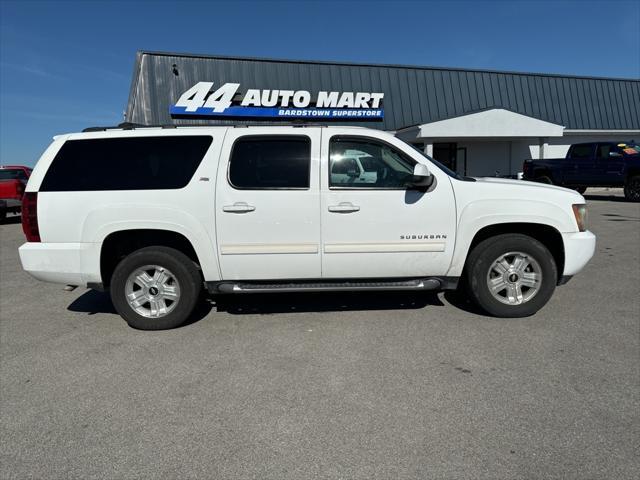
133,126
283,124
126,126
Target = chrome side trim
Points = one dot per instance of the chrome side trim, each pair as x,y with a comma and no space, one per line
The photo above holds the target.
384,247
267,248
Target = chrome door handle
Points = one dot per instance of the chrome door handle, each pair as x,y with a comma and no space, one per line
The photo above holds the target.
344,207
238,207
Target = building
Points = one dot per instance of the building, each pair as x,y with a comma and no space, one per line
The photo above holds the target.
477,122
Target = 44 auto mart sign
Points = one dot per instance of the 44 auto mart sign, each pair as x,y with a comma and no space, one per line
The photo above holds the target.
202,100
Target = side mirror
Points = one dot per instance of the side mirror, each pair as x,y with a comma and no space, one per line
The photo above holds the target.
422,178
615,154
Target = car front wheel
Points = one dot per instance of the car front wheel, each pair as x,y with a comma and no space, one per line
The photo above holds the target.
511,275
155,288
632,189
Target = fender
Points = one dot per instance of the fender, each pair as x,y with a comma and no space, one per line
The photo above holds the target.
482,213
102,222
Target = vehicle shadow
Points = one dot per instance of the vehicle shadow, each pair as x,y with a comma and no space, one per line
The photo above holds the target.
11,220
460,301
93,302
605,198
273,303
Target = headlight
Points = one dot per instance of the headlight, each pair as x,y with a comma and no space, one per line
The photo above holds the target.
580,212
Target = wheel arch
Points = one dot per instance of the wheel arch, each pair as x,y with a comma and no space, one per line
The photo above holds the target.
119,243
632,172
545,234
543,172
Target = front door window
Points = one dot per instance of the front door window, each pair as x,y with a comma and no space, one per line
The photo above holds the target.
355,163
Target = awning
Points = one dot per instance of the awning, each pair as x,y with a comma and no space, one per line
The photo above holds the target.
493,123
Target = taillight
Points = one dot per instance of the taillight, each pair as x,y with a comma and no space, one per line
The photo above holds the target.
30,216
19,190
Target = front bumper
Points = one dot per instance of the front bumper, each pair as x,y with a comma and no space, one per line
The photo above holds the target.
579,247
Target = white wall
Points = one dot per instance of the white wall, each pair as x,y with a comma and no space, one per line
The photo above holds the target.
484,158
506,156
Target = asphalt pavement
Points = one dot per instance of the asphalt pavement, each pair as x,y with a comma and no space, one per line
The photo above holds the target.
341,386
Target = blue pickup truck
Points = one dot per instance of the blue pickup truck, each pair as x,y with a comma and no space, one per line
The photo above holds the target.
597,164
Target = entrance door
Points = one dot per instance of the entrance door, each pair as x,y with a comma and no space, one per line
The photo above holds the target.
268,204
373,226
445,153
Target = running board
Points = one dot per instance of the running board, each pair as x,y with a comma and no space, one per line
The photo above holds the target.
325,286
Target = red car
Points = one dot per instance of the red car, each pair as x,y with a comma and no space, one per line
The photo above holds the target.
13,179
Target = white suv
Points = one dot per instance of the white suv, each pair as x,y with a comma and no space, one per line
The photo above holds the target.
156,214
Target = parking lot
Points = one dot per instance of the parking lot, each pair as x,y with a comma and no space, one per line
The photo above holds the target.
396,385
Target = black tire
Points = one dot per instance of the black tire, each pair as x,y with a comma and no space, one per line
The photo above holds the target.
183,270
3,215
580,190
544,179
481,259
632,188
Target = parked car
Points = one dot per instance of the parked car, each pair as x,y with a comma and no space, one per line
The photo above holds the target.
159,214
596,164
13,179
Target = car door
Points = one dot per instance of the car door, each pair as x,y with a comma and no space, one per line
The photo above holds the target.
580,166
268,204
381,229
610,164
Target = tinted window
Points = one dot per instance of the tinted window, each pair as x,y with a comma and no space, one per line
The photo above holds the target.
141,163
12,174
582,151
382,165
603,151
270,162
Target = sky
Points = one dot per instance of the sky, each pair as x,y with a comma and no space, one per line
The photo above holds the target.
66,65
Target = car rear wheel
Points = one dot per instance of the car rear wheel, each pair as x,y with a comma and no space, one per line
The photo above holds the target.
632,189
511,275
155,288
544,179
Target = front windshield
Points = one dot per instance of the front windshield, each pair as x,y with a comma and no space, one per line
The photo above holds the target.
446,170
629,149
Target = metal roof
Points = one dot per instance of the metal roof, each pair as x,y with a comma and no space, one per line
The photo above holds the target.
413,95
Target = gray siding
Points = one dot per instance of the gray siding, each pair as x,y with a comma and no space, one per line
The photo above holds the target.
413,95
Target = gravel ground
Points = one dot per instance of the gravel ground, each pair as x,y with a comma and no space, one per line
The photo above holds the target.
397,385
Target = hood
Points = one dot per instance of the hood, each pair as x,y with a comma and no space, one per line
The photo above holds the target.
523,183
508,189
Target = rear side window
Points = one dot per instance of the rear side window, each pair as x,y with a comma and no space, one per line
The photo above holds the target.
270,162
141,163
582,151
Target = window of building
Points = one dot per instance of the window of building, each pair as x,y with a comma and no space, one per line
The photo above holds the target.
367,163
140,163
270,162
